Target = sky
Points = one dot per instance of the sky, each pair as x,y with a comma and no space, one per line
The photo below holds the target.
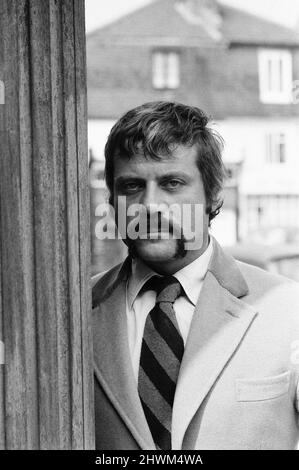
101,12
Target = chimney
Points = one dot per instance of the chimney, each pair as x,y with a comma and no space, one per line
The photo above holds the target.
196,6
203,12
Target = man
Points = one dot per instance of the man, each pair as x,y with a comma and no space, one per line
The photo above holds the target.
193,350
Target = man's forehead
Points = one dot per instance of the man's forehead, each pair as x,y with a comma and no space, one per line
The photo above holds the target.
176,154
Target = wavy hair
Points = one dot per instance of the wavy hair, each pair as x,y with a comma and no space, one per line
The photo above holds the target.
154,129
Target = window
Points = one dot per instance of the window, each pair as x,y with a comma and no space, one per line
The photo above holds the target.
166,70
270,211
275,76
276,148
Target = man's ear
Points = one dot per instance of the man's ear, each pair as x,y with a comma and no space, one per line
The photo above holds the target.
208,209
215,208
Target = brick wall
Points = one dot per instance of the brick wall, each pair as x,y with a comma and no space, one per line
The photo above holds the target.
224,82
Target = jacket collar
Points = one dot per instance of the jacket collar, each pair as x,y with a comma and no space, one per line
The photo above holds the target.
225,269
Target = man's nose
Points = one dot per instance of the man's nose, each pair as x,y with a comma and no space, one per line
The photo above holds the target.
150,195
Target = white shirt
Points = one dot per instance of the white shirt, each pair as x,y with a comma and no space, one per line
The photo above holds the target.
140,304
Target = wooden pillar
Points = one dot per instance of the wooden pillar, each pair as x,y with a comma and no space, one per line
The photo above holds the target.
46,383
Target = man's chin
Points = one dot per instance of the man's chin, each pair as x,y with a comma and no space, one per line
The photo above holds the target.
155,250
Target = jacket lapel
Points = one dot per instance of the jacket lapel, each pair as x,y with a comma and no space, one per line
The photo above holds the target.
220,321
113,367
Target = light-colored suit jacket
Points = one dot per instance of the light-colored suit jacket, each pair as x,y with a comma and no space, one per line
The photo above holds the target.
238,382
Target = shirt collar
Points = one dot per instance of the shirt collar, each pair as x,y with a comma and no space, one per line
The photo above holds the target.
190,276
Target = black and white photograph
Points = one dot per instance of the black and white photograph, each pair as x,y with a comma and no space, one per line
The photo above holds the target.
149,228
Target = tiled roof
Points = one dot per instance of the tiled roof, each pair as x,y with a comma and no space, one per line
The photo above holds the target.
244,28
107,103
161,19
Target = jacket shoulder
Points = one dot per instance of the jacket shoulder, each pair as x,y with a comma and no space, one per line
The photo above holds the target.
271,289
256,276
103,283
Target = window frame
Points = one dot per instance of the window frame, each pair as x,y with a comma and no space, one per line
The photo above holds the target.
161,80
275,67
274,143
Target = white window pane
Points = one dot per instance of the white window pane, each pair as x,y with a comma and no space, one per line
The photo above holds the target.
276,148
270,74
158,70
281,76
173,75
166,70
275,76
287,73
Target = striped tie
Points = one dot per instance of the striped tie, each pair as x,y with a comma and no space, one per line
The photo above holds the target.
161,354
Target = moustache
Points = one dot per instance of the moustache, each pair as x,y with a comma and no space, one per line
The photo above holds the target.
157,224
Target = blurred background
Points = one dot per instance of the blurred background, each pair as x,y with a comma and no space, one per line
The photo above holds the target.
239,62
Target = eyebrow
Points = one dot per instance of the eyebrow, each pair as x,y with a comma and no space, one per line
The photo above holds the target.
173,174
124,179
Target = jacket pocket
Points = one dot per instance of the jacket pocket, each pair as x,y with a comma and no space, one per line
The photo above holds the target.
263,389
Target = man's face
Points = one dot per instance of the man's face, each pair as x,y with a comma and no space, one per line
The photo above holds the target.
170,180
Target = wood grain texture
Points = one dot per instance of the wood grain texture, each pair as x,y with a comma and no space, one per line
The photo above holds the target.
84,217
47,398
2,394
2,402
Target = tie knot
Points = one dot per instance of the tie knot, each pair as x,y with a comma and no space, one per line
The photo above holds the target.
168,288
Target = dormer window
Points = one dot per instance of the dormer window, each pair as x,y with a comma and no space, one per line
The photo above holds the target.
166,70
275,76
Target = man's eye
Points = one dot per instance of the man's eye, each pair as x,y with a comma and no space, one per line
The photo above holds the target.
131,187
172,184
